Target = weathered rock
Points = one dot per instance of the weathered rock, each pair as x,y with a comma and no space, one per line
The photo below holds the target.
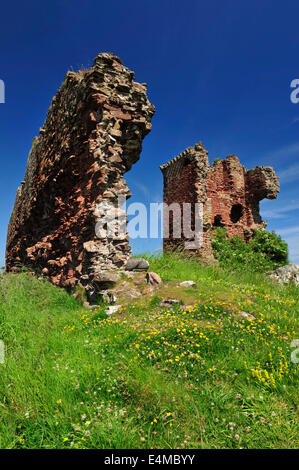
129,274
187,284
106,277
108,297
91,137
132,293
137,264
112,309
286,274
246,315
153,279
126,290
230,195
168,302
71,282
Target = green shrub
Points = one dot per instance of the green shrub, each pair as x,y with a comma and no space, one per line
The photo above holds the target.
271,244
264,252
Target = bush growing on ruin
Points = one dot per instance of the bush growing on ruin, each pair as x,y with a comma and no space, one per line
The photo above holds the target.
271,244
264,252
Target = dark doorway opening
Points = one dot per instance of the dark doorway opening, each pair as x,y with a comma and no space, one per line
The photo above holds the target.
218,221
236,213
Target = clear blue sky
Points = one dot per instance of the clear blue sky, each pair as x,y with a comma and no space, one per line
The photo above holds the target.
217,71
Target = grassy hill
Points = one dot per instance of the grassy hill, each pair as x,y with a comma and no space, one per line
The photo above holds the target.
196,375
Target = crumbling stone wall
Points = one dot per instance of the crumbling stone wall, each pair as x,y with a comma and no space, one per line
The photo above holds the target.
92,135
185,181
229,192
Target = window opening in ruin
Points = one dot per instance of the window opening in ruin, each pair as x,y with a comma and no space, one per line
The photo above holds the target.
236,213
218,221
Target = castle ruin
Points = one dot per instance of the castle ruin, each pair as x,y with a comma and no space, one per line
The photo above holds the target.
230,195
91,137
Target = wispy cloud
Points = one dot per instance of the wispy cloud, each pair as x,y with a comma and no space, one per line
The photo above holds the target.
285,153
289,231
141,187
289,174
280,212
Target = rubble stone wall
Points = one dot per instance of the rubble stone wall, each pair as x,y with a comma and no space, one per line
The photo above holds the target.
185,181
91,137
230,194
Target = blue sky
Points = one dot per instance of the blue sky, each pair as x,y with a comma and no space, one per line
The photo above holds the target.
217,71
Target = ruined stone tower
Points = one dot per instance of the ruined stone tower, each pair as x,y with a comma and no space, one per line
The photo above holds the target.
230,194
92,135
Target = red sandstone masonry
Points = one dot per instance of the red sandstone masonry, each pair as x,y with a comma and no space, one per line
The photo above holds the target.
92,135
230,193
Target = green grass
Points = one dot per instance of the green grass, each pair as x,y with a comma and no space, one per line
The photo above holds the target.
151,377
